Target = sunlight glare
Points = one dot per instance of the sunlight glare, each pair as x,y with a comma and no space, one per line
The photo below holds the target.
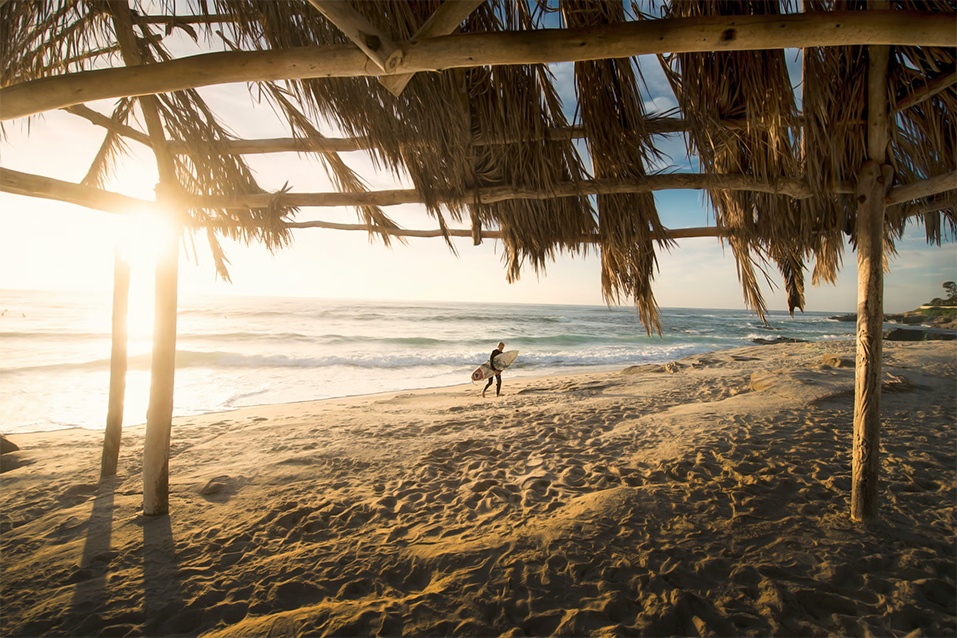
140,239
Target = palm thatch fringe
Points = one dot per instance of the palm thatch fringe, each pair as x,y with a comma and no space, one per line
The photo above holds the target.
620,148
752,85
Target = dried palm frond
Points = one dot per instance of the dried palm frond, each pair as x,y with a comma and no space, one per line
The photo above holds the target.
754,86
208,169
40,39
113,146
925,140
428,133
620,145
504,103
344,178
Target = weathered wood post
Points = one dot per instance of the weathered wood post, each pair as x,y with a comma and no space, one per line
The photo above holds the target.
873,183
114,411
159,414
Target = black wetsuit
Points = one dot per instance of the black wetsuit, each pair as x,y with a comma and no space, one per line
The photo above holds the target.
498,376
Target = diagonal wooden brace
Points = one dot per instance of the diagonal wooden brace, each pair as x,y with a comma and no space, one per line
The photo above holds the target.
374,43
444,21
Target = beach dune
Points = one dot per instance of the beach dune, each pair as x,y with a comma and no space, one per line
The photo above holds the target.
709,496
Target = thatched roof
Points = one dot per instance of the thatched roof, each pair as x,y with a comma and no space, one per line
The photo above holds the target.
486,141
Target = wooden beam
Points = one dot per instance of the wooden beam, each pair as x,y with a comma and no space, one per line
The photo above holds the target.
924,188
29,185
796,188
42,187
262,146
929,90
443,21
676,35
89,197
657,126
185,19
377,45
931,205
286,145
673,233
108,123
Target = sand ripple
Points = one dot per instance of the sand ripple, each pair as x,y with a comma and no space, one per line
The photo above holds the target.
707,497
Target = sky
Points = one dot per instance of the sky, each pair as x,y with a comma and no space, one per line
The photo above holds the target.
47,245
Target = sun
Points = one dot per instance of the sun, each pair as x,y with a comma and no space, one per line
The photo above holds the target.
141,239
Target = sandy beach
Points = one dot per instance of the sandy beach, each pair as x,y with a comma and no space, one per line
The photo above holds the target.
709,496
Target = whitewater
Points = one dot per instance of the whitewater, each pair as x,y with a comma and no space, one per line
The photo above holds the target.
235,352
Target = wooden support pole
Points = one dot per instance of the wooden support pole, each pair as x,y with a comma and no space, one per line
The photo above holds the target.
159,414
870,325
872,186
114,413
545,46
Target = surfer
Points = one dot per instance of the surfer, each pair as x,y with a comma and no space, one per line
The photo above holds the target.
498,375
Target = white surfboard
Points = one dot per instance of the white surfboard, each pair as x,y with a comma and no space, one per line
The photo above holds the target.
502,361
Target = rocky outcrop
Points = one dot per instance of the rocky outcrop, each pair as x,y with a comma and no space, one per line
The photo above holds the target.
908,318
919,334
946,322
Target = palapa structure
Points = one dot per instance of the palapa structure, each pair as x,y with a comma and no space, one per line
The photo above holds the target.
458,96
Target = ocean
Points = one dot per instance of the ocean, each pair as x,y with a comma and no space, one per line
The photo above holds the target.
235,352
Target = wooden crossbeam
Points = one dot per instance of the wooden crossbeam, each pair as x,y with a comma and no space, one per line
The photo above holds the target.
657,126
30,185
445,20
924,188
673,35
39,186
796,188
42,187
673,233
930,89
185,19
117,127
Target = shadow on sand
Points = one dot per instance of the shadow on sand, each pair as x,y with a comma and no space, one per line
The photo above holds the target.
89,593
162,610
162,587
